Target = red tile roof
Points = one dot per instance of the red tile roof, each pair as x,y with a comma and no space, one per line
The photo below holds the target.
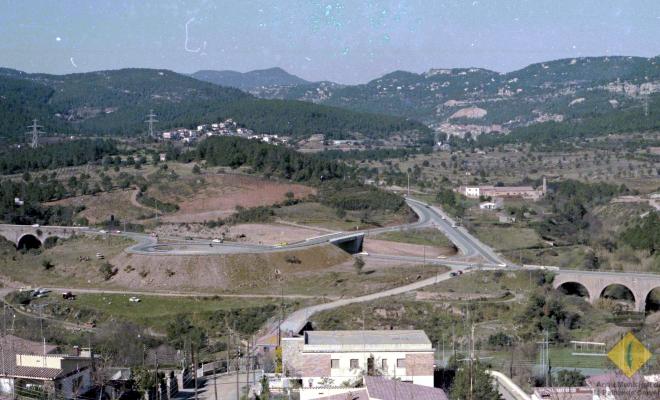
357,394
11,345
388,389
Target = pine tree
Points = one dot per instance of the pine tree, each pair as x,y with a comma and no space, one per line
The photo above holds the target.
482,384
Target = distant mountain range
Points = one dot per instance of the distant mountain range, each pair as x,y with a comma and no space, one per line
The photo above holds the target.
116,102
476,100
250,80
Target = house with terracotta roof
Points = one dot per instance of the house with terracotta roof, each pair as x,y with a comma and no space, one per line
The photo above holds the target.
30,367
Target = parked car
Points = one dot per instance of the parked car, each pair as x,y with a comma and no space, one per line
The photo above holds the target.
68,296
452,274
134,299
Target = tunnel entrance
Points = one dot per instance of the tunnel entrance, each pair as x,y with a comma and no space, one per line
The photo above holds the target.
28,242
653,301
574,289
620,294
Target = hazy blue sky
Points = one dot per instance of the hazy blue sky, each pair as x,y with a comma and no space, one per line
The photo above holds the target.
344,41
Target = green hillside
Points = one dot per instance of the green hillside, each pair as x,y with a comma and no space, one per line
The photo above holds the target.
116,102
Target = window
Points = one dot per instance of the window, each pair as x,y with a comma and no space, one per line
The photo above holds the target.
355,363
384,365
334,363
400,362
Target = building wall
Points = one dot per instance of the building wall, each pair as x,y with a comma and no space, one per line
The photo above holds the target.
6,386
292,361
66,385
316,364
418,367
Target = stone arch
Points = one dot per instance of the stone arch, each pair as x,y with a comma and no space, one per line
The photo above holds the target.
652,300
574,288
28,241
618,289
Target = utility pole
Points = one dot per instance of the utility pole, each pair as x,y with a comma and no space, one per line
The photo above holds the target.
194,366
151,119
156,376
238,369
408,175
247,369
34,134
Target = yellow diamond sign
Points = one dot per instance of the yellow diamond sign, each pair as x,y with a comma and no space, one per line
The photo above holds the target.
629,354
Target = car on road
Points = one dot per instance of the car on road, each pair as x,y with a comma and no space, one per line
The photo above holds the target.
134,299
35,225
364,253
442,257
103,231
68,296
216,240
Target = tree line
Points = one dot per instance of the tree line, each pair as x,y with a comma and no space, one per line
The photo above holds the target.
57,155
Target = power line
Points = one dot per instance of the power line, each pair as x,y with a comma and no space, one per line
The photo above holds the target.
151,119
33,134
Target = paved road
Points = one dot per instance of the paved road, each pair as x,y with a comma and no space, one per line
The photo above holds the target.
147,244
297,320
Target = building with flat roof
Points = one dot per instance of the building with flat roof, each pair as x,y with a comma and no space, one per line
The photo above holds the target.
332,358
525,192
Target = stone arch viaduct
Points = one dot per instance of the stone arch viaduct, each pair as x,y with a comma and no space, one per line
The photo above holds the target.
595,283
35,236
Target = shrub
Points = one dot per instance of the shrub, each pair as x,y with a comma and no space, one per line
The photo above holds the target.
107,270
47,264
292,259
358,264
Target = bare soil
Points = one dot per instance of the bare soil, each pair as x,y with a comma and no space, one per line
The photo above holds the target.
404,249
100,207
246,233
220,194
221,273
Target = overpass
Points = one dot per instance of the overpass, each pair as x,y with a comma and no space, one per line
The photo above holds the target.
595,283
34,236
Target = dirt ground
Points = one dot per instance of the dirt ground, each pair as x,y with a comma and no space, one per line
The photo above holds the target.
404,249
220,194
226,273
245,233
98,208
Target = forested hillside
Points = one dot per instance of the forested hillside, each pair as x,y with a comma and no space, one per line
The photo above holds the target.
250,80
269,160
481,101
116,102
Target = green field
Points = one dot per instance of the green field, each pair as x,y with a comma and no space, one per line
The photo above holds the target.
424,237
154,312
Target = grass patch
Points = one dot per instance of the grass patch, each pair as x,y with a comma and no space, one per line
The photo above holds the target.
425,237
73,261
507,237
154,312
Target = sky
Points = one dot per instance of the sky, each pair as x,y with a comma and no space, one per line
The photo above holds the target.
342,41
